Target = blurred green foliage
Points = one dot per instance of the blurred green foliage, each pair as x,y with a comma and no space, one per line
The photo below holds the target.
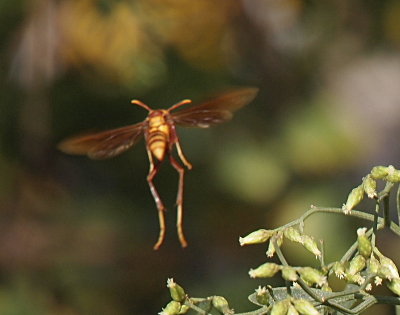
76,235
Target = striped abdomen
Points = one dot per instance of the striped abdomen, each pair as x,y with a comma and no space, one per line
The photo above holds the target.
158,134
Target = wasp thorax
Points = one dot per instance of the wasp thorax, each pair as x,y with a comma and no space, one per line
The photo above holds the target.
156,118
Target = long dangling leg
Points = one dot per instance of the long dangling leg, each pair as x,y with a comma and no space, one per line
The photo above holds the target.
160,207
181,156
179,200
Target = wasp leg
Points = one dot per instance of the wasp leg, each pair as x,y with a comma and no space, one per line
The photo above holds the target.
182,157
160,206
179,200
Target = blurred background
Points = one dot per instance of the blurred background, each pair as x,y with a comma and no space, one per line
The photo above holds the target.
77,236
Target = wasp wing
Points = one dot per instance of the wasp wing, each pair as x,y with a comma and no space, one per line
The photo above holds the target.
216,110
103,145
202,118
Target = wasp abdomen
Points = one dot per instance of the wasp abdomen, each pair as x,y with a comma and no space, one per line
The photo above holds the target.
157,142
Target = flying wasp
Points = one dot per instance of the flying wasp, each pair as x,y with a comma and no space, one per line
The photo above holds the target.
160,136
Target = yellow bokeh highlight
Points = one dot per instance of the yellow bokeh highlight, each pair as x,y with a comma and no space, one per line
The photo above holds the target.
113,44
200,31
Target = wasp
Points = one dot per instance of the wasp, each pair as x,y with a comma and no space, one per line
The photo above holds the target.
160,137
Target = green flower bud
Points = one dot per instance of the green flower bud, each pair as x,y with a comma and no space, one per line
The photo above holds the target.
357,279
312,276
256,237
353,199
338,269
369,186
326,287
280,308
305,307
363,243
393,175
356,265
387,269
292,234
176,291
379,172
262,295
309,284
271,250
172,308
386,272
394,285
289,274
310,244
221,304
279,240
266,270
292,310
372,265
184,309
324,270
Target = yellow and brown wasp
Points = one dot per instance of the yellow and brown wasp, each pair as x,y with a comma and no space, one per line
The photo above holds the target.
160,137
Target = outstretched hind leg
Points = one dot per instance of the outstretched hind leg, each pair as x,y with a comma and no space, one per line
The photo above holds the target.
160,206
179,200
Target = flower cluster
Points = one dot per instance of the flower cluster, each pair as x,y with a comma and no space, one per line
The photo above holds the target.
291,233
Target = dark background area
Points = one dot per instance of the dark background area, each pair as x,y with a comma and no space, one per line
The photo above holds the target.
77,236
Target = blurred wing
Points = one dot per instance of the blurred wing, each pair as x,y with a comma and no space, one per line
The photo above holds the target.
103,145
217,110
202,118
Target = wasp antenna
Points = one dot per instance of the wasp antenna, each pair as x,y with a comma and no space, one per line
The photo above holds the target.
141,104
183,102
